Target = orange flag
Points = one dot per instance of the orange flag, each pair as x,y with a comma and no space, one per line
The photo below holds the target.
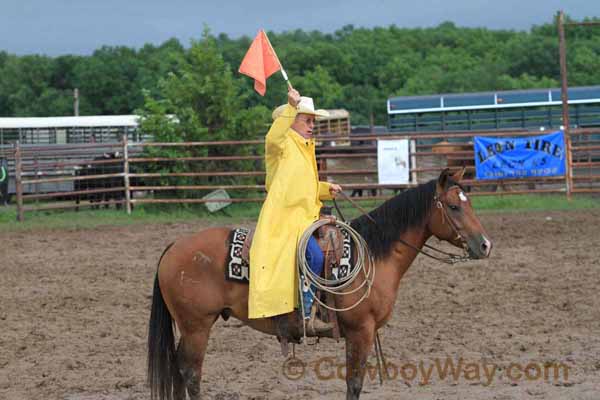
260,62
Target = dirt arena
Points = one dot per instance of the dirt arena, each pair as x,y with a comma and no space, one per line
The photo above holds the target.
74,306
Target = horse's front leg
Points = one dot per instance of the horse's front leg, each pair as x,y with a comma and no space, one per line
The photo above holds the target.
358,346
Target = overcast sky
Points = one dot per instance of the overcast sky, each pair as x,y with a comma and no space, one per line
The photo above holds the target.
56,27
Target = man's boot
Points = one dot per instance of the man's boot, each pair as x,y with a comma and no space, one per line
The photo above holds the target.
316,326
288,327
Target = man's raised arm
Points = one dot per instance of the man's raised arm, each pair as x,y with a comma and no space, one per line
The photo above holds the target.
283,122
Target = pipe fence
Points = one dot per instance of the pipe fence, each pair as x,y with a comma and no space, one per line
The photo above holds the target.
126,174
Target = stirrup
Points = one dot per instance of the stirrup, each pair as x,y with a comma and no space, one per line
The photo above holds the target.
314,325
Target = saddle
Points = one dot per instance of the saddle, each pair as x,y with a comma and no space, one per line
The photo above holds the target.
334,244
331,239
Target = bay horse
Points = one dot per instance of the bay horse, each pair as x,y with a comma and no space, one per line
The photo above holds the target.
190,288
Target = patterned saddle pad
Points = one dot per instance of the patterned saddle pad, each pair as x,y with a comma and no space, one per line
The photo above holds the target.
346,265
238,262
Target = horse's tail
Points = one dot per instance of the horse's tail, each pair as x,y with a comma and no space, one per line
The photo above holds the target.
163,373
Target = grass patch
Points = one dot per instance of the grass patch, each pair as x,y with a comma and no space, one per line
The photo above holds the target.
142,214
527,202
179,213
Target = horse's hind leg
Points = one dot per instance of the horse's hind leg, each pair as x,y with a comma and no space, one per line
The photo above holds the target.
190,357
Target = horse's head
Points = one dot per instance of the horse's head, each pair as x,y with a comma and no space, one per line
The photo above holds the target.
453,218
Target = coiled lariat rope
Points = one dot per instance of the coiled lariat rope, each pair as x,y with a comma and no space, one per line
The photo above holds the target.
337,286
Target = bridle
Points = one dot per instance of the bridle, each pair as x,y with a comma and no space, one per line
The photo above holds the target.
447,258
441,204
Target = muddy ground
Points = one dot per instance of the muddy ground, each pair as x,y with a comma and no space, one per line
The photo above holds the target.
74,306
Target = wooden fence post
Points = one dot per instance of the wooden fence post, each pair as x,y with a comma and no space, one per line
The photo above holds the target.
569,171
413,160
126,174
19,182
564,94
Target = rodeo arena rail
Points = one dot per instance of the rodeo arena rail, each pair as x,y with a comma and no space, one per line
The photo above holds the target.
125,174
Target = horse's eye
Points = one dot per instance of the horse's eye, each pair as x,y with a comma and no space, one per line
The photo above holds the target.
453,207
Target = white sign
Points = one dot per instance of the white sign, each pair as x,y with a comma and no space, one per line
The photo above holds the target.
218,194
392,161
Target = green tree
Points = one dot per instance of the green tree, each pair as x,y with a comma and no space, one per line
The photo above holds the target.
525,81
352,68
393,76
583,68
320,85
201,101
25,85
108,81
156,62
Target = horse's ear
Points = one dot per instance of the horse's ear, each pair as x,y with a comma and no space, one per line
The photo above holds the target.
443,180
458,175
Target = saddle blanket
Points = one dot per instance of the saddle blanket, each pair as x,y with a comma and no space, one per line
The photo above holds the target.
238,261
238,267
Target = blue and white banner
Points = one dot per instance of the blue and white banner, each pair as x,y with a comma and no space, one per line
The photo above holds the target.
509,158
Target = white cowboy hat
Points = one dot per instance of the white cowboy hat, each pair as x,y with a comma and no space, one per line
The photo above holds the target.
305,106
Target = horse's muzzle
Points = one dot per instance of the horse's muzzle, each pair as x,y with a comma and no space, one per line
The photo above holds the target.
479,247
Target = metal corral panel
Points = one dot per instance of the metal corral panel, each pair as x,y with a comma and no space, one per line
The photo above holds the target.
69,122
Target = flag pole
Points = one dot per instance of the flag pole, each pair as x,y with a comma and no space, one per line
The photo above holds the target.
281,66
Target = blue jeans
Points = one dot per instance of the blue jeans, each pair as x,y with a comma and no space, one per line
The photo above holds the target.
315,259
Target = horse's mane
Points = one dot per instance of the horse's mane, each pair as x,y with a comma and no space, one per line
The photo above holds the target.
394,217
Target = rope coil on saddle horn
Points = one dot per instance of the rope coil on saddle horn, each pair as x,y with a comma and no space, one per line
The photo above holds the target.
338,286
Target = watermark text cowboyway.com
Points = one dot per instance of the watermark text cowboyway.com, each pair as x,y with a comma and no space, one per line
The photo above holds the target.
424,372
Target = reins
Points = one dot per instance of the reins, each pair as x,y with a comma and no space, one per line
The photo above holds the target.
451,258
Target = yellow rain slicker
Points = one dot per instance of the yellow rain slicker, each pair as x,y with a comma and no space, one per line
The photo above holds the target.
293,201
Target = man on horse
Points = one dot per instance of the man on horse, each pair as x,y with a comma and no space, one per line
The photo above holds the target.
293,203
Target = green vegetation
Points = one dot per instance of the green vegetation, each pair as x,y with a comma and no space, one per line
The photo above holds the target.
531,202
238,213
150,214
199,101
352,68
